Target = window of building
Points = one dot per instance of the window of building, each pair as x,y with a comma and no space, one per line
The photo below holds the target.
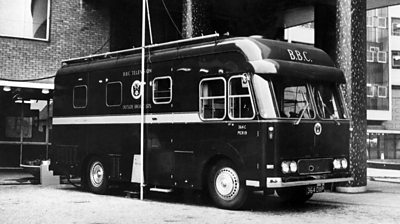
383,146
396,26
395,59
381,22
240,101
212,99
113,94
374,49
370,56
370,21
25,19
80,96
381,56
162,90
382,91
370,90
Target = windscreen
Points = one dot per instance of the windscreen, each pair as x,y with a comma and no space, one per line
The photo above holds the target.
293,98
299,98
328,101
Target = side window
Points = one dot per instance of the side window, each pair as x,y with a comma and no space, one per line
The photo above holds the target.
212,99
296,102
162,90
240,101
80,96
113,94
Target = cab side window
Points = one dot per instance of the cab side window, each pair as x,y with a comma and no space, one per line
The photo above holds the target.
240,101
212,103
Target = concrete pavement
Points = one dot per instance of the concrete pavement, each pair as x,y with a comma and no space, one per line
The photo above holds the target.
23,200
29,203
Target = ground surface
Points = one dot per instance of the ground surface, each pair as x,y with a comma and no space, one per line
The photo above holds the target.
30,203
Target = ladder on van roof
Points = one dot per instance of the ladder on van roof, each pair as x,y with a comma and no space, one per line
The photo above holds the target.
137,49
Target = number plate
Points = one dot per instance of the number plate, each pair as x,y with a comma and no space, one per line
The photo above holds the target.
315,189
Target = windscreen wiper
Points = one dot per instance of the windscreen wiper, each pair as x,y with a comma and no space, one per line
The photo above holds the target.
303,110
328,109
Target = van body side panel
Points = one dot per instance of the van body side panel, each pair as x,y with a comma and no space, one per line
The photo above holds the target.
172,157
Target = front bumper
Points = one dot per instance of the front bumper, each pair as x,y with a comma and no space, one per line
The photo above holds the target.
276,182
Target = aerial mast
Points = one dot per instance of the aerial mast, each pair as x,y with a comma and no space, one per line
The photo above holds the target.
142,83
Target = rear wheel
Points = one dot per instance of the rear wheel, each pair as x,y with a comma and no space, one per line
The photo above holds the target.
295,195
96,178
225,186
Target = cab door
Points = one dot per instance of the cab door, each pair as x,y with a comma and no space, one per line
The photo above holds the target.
332,132
295,128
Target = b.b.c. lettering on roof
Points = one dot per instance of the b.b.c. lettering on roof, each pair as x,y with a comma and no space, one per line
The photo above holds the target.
296,55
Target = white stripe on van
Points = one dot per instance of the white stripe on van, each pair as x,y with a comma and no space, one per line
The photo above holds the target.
129,119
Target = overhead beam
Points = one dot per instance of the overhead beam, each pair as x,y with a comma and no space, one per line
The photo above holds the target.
297,16
302,15
372,4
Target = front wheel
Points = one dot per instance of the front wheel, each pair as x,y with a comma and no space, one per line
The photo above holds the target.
96,178
225,186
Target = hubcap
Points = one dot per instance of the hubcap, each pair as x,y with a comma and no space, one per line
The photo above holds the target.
97,174
227,183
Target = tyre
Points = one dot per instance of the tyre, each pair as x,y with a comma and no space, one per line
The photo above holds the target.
225,187
294,195
96,176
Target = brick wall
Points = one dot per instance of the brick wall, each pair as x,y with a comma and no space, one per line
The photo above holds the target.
77,28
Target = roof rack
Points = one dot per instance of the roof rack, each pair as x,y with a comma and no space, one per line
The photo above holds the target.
129,51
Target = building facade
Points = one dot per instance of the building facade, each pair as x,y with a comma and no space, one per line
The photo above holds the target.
383,84
67,29
35,35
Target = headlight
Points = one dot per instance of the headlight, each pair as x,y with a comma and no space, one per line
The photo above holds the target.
285,167
336,164
344,163
289,167
293,167
340,164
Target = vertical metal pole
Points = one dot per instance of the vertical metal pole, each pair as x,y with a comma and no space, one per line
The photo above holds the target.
21,130
142,101
47,129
